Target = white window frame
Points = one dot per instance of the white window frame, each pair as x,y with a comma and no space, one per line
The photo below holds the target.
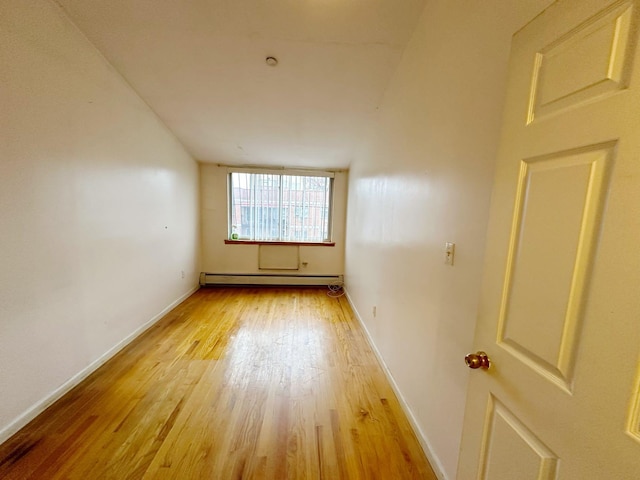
281,172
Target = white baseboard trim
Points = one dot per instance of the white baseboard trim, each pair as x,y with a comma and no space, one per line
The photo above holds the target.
422,438
39,407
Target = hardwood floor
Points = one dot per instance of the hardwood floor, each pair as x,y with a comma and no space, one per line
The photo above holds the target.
234,383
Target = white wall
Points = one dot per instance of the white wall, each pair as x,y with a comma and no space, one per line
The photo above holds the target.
424,178
218,257
98,210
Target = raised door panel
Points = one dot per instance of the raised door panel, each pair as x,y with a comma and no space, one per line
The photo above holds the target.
558,202
510,450
588,62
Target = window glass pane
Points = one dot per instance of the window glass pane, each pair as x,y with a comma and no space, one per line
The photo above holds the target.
279,207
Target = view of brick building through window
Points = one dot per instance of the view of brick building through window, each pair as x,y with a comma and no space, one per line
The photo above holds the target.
279,207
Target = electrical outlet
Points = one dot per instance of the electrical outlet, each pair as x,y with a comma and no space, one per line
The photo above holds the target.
449,253
182,273
375,311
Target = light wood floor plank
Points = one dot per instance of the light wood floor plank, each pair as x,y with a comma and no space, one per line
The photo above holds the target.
235,383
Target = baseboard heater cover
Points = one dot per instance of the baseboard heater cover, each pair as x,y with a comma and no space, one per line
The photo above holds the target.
266,279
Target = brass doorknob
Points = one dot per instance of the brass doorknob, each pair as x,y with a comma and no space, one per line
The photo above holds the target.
477,360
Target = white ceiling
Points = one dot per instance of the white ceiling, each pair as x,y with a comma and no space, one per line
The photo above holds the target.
200,64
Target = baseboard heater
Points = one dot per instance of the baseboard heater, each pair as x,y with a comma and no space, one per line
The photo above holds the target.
266,279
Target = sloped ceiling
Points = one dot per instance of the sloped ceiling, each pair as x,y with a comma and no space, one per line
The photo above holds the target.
200,65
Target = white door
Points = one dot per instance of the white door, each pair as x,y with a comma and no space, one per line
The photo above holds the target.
560,310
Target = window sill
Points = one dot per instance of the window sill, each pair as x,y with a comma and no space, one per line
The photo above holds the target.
265,242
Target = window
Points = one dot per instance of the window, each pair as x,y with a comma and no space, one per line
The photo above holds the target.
280,207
